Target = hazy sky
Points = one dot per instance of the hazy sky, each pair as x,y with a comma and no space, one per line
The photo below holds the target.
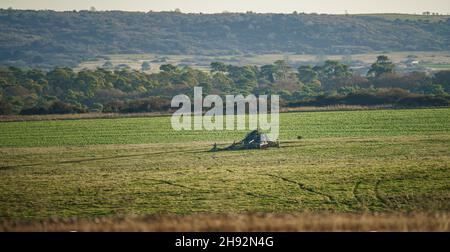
213,6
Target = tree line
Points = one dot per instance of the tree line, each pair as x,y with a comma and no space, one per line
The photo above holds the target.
63,90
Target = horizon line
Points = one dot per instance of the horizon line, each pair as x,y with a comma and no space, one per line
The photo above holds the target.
231,12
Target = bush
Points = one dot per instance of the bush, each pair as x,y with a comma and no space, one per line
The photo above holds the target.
6,108
424,101
34,111
57,107
381,97
113,106
97,107
147,105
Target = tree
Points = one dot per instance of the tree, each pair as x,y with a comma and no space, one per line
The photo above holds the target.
221,82
245,78
97,107
168,68
6,108
331,75
61,79
268,72
108,65
145,66
383,65
282,69
333,69
188,78
218,67
434,89
306,74
443,78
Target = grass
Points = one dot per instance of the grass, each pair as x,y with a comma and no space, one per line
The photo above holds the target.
389,161
98,115
437,66
158,130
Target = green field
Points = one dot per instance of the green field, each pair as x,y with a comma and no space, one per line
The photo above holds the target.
353,161
437,66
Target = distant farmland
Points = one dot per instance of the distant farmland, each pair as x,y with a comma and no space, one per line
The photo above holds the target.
431,60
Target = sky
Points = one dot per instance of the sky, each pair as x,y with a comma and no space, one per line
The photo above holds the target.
260,6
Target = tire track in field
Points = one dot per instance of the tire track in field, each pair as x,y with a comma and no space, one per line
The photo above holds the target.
378,195
356,196
97,159
389,204
252,194
256,195
10,167
172,184
266,196
355,192
197,190
304,187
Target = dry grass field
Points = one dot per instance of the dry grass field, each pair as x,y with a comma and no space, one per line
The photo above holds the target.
433,60
305,222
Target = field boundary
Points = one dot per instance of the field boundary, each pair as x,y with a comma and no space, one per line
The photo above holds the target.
252,222
86,116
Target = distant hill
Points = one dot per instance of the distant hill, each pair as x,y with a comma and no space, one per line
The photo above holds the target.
49,38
